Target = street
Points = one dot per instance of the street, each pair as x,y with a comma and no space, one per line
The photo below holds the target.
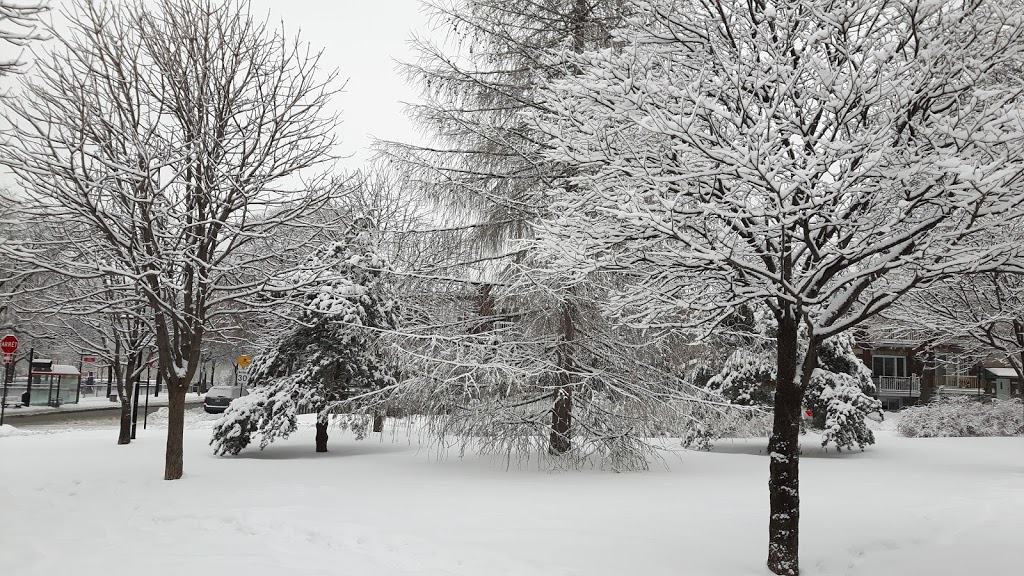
102,418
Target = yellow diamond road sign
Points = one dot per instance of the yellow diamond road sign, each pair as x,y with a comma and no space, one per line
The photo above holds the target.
244,360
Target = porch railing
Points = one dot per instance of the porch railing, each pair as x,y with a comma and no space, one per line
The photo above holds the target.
909,386
896,336
953,381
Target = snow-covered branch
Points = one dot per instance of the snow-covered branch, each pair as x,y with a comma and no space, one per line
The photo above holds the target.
19,25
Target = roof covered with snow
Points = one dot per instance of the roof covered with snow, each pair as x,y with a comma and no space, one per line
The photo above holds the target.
59,370
1002,372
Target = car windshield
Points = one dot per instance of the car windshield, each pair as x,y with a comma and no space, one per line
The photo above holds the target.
224,391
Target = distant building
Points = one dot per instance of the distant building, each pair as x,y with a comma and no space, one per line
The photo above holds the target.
907,370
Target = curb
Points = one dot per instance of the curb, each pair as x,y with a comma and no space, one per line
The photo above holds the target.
16,413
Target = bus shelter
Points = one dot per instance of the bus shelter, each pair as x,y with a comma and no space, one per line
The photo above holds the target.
60,380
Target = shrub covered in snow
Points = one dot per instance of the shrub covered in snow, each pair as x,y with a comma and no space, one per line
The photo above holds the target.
963,417
714,423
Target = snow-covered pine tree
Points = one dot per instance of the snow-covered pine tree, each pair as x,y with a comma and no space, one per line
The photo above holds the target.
747,378
336,348
492,393
838,397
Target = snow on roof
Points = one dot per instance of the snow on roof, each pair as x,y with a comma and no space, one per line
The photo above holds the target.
59,370
1003,372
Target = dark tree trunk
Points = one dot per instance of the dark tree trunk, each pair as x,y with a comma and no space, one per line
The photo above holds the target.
378,422
561,422
321,436
927,371
124,435
784,450
560,440
174,460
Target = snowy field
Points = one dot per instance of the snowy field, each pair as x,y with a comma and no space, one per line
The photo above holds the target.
74,503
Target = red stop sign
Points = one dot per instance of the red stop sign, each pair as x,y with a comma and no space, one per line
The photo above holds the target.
9,344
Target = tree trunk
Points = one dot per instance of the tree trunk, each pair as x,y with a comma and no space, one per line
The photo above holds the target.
927,372
124,435
561,422
378,422
1020,372
321,436
174,456
784,450
560,440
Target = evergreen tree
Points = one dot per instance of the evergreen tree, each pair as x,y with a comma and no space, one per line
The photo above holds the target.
335,349
839,395
747,378
488,173
838,399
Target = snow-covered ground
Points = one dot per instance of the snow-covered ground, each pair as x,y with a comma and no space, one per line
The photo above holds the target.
75,503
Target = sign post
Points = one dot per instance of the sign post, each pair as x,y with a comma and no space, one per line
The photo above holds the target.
28,388
243,362
9,345
149,379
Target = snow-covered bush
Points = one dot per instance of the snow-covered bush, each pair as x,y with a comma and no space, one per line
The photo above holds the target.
963,417
716,423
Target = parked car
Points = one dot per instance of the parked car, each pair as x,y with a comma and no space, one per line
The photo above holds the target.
219,398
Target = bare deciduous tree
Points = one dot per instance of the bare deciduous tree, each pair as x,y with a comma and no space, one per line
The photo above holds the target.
819,158
106,317
169,139
19,25
979,316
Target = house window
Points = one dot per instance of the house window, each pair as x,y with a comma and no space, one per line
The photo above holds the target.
888,366
954,365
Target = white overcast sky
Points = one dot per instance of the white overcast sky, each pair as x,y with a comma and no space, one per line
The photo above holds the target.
362,39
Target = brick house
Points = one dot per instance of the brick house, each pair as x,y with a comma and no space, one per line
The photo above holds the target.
906,372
